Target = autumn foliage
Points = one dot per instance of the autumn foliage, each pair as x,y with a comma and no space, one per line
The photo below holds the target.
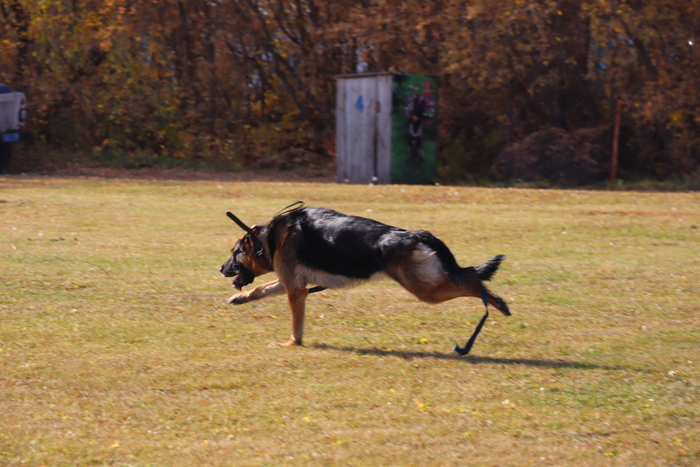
231,81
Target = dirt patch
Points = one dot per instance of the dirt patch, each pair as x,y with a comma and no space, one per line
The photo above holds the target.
294,159
317,175
642,213
292,165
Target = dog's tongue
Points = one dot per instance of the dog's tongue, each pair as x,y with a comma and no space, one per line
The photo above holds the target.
236,282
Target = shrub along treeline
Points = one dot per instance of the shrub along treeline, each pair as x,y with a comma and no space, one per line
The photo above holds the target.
237,79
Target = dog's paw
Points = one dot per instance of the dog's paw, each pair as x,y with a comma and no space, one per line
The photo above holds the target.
238,299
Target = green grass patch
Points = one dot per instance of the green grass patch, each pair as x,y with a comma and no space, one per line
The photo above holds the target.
117,345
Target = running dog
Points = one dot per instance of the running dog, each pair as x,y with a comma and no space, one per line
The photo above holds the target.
322,247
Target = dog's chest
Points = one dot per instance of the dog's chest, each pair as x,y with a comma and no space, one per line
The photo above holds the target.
333,281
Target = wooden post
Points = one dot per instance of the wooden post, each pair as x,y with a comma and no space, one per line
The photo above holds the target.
616,141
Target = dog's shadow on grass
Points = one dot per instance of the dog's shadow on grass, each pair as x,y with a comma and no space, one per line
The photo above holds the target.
473,359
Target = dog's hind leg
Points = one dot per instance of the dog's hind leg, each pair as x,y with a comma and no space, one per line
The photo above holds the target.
261,291
422,275
474,288
497,302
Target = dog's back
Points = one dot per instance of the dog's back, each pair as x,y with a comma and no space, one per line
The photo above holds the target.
352,246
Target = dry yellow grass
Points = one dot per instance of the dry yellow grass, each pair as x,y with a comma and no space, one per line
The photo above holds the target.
117,346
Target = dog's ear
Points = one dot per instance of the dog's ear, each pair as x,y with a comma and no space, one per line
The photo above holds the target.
238,222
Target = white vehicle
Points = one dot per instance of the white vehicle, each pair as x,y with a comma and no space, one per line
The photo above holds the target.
13,114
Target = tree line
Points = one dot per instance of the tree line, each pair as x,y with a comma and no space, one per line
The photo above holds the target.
232,80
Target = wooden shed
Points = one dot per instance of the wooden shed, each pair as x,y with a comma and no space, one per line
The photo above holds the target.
386,128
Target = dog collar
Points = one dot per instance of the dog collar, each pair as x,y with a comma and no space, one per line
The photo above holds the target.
254,232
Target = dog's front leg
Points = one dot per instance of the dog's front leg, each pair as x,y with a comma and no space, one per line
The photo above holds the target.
261,291
297,302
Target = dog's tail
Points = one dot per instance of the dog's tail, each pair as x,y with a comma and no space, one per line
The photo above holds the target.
487,269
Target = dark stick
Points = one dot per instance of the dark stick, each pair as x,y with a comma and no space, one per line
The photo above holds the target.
238,222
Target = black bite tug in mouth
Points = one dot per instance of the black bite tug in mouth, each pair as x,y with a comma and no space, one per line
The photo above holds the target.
243,279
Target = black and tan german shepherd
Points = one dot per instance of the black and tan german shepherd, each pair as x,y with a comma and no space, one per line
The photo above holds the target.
322,247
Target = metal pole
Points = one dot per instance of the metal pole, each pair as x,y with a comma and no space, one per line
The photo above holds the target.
616,141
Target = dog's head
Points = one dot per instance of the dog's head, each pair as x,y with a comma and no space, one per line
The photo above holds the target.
247,257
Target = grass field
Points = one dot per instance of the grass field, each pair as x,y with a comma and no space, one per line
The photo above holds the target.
117,346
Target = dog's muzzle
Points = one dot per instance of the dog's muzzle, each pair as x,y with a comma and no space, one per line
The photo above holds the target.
242,276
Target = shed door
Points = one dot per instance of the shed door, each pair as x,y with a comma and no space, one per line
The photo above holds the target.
361,147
